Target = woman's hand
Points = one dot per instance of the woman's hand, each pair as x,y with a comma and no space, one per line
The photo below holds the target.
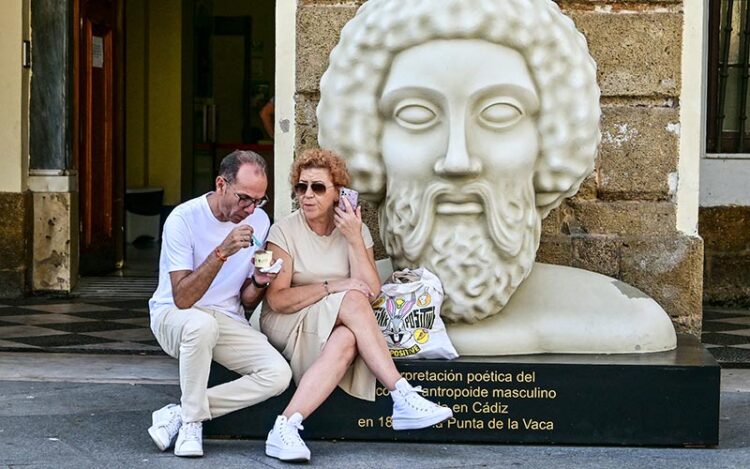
349,222
351,284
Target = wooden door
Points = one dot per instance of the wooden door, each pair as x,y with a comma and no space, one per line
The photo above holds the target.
99,120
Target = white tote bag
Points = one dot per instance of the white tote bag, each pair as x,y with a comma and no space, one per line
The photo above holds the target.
408,312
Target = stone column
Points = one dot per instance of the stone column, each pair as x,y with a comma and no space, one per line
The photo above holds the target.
52,181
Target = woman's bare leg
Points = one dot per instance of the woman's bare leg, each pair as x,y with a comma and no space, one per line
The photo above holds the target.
356,314
324,375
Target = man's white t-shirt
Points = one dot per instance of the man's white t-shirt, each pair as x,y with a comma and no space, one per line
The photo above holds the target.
191,234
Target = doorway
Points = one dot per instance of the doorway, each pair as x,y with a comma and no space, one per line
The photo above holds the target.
194,76
98,130
232,80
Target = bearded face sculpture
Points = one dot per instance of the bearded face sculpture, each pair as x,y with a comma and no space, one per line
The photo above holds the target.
466,121
459,150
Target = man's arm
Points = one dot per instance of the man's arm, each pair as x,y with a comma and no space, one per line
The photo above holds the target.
250,295
189,286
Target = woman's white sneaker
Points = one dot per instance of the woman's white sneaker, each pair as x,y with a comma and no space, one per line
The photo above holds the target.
411,411
165,424
190,440
284,442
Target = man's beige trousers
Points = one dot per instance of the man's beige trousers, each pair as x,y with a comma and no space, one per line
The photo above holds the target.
195,337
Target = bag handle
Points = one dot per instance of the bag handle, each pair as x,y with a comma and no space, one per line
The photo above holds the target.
393,289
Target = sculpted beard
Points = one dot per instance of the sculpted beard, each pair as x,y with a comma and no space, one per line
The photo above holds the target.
480,259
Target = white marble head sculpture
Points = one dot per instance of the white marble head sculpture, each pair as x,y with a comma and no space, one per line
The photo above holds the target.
466,121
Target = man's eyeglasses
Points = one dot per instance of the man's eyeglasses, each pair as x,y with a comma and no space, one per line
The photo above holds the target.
244,200
318,188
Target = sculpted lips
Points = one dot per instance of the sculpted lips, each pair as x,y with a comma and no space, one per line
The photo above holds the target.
458,204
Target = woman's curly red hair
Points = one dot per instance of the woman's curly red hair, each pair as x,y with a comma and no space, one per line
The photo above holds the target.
321,159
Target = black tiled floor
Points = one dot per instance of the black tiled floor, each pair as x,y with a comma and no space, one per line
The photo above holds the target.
723,339
60,340
72,322
719,326
731,357
12,310
91,326
709,315
114,307
726,331
38,300
122,304
118,314
153,343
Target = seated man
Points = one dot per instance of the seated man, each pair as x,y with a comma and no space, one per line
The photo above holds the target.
206,276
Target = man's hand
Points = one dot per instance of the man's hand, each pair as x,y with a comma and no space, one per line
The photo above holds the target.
239,238
262,278
251,296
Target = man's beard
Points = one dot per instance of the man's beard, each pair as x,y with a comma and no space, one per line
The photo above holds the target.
480,259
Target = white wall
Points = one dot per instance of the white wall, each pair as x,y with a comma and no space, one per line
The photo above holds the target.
692,99
284,135
725,182
12,95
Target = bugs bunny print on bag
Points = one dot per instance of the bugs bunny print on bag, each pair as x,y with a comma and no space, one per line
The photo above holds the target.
408,313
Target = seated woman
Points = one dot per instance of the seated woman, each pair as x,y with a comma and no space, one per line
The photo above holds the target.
317,312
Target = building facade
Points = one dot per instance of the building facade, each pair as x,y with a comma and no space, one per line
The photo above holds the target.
635,218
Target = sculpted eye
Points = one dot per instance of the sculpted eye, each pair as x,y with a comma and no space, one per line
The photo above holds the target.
415,116
500,115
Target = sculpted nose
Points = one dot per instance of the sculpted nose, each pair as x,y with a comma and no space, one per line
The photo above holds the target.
457,160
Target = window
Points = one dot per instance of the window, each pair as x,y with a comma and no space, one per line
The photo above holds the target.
728,129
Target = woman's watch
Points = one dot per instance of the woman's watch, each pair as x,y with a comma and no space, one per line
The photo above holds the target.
258,285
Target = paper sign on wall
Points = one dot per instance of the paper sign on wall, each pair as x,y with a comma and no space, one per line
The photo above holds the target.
97,52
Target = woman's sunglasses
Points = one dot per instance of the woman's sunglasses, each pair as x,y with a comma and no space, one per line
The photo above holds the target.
318,188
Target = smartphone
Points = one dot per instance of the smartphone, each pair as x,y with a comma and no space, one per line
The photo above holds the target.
349,194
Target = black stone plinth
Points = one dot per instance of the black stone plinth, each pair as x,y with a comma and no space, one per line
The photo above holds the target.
661,399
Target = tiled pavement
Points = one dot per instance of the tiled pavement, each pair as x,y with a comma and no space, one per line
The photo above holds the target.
77,325
107,325
726,333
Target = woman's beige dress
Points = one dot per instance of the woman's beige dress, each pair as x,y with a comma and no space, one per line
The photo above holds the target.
300,336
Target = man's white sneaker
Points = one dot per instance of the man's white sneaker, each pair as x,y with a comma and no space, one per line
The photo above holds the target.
411,411
190,440
165,423
284,442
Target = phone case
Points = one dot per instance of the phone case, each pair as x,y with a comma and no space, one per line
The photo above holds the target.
351,195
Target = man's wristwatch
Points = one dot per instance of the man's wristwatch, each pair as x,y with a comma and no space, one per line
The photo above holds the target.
258,285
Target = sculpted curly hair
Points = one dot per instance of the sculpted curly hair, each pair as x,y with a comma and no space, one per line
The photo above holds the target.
321,159
555,52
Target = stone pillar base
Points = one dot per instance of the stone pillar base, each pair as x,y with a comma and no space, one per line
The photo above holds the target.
14,249
55,233
55,259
